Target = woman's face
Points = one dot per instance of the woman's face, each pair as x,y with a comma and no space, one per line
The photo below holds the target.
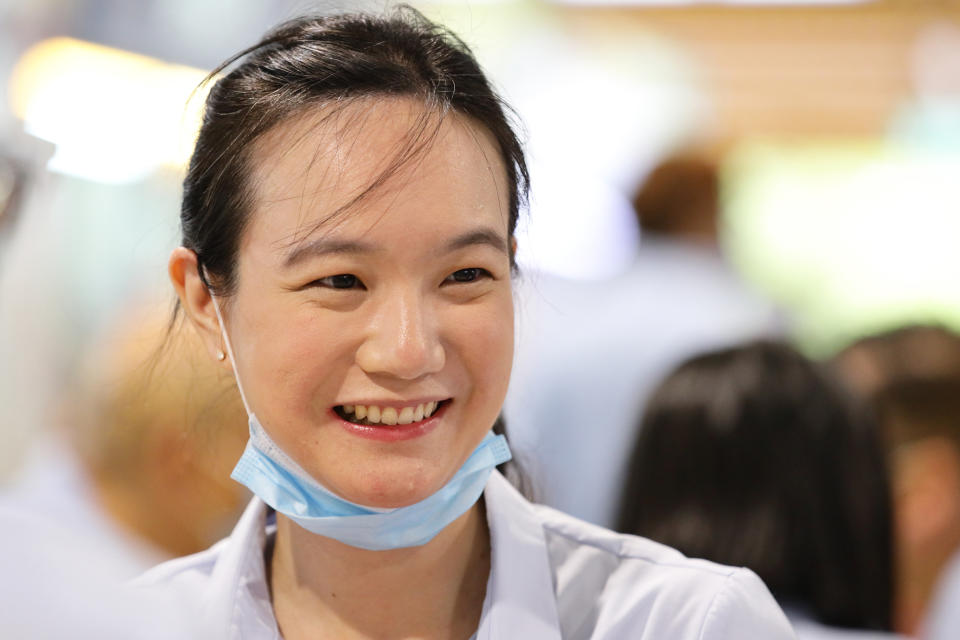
375,348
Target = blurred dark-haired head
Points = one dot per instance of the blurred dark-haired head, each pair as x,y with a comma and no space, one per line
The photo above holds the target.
753,457
680,197
911,376
909,352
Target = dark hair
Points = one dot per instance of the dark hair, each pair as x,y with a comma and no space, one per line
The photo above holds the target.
910,352
682,191
753,456
911,375
331,61
912,409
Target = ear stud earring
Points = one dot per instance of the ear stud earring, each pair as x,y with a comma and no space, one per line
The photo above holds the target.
221,356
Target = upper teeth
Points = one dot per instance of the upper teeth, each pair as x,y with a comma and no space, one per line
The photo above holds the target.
391,415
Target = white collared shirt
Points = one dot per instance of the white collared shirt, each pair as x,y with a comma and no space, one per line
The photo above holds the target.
943,617
552,577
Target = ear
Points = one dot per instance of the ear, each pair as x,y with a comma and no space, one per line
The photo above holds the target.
196,300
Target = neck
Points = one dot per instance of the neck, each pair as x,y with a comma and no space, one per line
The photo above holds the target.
912,598
323,588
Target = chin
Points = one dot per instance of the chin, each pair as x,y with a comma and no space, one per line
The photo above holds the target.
389,491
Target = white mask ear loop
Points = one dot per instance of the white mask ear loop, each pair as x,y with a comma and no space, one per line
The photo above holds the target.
233,360
263,440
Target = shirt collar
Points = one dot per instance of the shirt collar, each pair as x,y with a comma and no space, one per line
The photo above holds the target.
521,600
239,599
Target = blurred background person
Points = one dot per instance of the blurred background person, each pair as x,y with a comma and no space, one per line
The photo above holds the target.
23,183
141,453
61,576
590,352
58,583
902,354
753,456
911,375
158,429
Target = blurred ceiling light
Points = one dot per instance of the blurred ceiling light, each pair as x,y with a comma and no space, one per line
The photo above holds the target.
791,2
689,3
113,115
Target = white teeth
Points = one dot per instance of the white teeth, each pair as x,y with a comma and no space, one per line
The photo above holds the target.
390,415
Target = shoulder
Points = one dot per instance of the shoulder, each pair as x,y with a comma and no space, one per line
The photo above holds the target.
214,580
189,573
184,587
593,583
620,584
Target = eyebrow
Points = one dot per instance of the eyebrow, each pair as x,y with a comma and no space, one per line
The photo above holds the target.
323,247
326,246
481,236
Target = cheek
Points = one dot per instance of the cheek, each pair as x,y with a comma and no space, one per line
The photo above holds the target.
296,356
485,337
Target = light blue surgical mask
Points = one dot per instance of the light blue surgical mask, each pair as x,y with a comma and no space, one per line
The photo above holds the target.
281,483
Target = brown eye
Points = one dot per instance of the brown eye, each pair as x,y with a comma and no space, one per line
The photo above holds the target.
340,281
468,275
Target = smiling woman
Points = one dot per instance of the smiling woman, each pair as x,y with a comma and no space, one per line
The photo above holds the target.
402,299
348,241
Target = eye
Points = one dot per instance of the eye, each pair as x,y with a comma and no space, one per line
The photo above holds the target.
468,275
339,281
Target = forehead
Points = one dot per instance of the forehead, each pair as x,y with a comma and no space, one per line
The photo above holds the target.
348,166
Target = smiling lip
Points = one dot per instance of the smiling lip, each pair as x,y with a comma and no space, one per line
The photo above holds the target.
394,433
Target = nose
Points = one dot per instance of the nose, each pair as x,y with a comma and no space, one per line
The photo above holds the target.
402,339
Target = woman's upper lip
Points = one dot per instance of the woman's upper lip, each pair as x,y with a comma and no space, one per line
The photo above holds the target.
397,404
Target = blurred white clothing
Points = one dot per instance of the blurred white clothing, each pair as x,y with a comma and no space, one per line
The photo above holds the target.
58,583
53,487
808,629
551,577
943,621
588,354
